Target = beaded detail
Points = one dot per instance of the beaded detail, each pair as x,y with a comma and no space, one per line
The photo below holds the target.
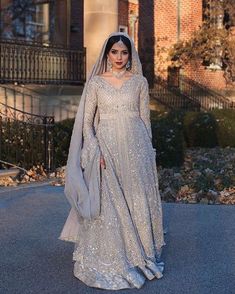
121,247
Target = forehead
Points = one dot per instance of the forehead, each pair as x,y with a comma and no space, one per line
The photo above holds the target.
119,46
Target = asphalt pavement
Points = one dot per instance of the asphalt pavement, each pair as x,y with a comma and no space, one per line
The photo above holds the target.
199,255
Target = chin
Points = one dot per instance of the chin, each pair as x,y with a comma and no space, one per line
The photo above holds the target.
120,66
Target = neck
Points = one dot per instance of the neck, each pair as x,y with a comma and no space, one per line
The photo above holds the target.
118,74
118,69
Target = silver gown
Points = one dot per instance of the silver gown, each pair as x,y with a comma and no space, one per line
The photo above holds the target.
122,247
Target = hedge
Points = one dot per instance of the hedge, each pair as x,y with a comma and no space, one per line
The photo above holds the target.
210,129
168,139
172,131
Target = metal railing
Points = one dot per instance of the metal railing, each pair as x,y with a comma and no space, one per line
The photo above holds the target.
172,98
35,63
35,103
26,139
190,95
207,98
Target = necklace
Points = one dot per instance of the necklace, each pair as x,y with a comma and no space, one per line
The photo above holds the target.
118,74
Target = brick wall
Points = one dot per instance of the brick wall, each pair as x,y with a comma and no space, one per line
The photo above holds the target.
207,77
123,12
77,21
146,38
60,35
166,33
165,21
176,20
190,17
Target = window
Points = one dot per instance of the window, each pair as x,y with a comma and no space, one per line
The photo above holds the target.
32,22
123,29
27,20
217,13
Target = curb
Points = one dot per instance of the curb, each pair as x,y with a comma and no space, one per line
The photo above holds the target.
25,186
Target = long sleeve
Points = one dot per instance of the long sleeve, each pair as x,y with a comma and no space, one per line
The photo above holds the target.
144,106
90,140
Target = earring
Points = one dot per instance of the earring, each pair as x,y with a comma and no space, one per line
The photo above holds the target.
109,65
128,65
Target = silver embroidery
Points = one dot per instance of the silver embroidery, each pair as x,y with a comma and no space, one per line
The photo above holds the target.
122,247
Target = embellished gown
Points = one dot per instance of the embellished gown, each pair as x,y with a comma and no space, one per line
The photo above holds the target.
122,247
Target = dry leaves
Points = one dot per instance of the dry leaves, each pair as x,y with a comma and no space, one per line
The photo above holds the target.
59,176
207,176
8,181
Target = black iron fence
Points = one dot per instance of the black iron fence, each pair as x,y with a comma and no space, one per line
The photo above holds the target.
43,64
26,139
207,98
172,98
189,95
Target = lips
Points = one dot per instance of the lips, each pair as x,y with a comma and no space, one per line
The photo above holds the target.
118,63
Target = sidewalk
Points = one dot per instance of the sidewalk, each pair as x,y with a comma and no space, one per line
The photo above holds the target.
199,256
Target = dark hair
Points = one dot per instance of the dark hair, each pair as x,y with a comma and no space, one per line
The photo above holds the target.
114,39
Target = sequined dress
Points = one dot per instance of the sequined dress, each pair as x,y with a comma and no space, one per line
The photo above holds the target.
122,247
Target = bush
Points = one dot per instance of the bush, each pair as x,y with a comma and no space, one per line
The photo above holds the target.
62,137
172,132
168,139
210,129
200,129
225,119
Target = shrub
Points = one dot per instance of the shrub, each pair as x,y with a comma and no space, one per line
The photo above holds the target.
168,139
210,129
225,119
62,137
172,132
200,129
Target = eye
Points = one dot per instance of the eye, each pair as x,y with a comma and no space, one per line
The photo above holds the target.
125,52
114,51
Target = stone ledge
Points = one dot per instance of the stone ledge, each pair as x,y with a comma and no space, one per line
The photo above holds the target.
12,172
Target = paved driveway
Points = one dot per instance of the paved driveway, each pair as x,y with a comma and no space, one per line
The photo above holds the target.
199,256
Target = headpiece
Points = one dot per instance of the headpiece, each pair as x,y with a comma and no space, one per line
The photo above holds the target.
120,43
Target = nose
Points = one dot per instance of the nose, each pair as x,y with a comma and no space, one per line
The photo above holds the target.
119,56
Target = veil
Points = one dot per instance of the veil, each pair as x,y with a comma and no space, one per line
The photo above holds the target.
82,187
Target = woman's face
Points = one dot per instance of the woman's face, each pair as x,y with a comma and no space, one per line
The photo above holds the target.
118,56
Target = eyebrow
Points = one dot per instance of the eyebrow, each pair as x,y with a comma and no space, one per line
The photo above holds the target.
121,50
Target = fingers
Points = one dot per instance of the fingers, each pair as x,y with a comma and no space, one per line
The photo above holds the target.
102,162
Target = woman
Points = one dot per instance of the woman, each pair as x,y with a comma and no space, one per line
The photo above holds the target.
111,178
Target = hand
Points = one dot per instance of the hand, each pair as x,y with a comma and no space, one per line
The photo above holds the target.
102,161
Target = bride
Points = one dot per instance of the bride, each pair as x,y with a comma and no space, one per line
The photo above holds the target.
111,179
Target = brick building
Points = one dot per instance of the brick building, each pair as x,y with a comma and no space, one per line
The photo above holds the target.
75,24
163,23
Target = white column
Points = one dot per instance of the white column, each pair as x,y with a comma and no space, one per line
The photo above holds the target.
100,19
